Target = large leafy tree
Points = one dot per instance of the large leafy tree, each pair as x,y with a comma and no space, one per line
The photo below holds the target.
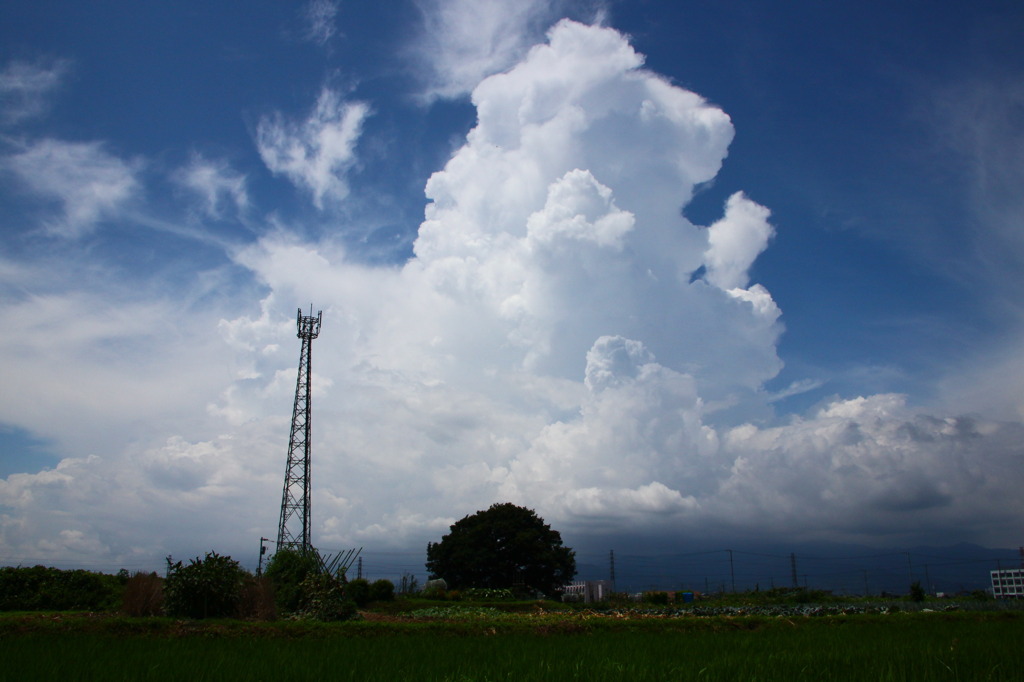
502,547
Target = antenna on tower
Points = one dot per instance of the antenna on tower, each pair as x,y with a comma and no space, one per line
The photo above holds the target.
294,530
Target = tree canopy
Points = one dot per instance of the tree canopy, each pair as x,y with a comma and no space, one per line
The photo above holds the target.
503,547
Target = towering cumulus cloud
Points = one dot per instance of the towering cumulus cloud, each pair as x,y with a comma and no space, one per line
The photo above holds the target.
556,241
560,218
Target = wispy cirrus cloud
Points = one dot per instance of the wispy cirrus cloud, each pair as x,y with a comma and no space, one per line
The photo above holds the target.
317,153
219,187
25,88
88,183
320,17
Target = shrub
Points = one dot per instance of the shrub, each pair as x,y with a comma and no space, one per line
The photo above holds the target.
358,590
207,588
286,571
143,595
382,590
659,598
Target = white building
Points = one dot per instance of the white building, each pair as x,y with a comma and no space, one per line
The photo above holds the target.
589,591
1008,582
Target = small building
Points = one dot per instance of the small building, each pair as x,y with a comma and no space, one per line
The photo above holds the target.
1008,582
588,591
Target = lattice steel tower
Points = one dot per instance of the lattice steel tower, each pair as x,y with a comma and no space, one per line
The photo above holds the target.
294,529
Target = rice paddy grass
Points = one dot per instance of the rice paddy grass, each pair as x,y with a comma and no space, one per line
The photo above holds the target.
923,646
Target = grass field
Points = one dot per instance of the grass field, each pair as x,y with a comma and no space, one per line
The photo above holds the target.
902,646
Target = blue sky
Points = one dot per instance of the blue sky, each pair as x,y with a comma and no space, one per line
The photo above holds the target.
638,265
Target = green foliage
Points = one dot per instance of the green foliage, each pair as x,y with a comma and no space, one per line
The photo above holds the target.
207,588
460,613
488,594
359,591
310,586
286,571
776,595
502,547
382,590
658,598
325,599
39,588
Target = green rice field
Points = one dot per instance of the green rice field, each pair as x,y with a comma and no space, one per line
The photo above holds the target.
900,646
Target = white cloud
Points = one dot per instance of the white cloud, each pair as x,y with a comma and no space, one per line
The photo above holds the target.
320,17
464,41
216,184
131,509
315,154
524,218
796,388
869,468
25,88
735,241
89,183
95,358
637,441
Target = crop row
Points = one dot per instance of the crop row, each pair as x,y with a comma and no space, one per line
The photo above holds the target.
701,611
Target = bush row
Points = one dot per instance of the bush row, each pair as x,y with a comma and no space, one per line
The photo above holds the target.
39,588
213,586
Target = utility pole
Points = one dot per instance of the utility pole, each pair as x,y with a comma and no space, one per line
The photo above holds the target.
263,550
295,528
611,568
